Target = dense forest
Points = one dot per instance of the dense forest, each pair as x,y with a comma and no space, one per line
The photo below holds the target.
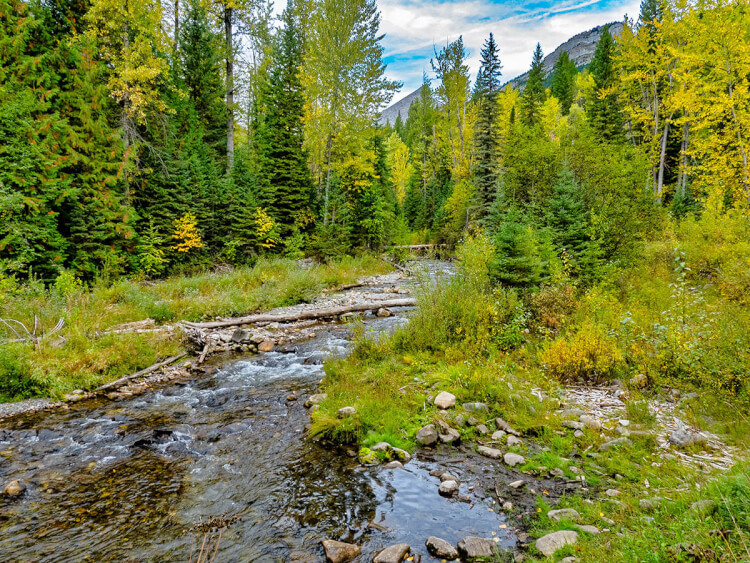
151,138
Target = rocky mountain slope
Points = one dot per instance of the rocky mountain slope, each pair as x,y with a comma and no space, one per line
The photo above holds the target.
580,48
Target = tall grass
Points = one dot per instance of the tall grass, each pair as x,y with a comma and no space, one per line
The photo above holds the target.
84,357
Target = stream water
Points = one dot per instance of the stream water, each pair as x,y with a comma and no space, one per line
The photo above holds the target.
124,480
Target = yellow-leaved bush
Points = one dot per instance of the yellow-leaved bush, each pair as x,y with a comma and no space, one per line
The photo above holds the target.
589,354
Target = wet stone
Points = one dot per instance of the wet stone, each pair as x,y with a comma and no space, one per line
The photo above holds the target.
392,554
340,552
448,488
450,436
427,435
14,488
440,548
490,452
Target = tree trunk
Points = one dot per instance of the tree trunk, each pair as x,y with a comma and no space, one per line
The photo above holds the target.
662,161
306,315
683,175
176,24
229,86
329,149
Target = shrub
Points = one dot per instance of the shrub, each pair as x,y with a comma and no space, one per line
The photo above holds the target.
589,354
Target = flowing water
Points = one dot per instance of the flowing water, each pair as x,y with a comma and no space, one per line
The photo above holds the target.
124,480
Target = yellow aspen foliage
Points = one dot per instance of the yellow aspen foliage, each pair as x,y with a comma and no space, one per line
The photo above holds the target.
398,162
264,226
551,117
186,234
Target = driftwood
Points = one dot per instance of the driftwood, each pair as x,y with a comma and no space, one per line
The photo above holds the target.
420,246
344,286
120,382
403,269
304,315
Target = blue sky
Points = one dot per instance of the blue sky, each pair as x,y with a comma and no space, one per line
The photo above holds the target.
414,27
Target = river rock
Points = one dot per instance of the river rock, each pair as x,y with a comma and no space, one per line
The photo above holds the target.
266,346
384,313
616,443
490,452
460,420
241,335
392,554
556,540
14,488
513,441
502,425
346,412
445,400
591,422
391,451
573,424
497,435
612,493
563,514
440,548
517,484
683,437
450,436
589,529
393,465
472,548
475,407
427,435
448,488
340,552
482,429
315,399
448,477
513,459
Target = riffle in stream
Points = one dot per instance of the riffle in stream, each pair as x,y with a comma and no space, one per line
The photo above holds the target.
125,480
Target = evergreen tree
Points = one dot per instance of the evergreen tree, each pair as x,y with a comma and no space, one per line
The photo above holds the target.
519,260
563,81
568,217
486,136
288,175
604,110
534,94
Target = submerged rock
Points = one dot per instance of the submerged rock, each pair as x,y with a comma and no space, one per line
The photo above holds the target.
556,540
392,554
14,488
440,548
340,552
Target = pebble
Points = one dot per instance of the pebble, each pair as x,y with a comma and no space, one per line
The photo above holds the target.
266,346
482,429
513,441
502,425
589,529
490,452
517,484
563,514
14,488
497,435
472,548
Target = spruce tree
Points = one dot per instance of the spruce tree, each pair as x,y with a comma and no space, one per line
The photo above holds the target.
567,215
486,135
519,260
604,110
563,81
534,94
289,175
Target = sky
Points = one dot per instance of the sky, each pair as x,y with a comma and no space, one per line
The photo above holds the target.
415,28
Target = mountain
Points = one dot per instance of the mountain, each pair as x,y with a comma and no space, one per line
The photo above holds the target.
402,106
580,48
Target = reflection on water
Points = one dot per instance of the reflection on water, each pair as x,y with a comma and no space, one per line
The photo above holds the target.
122,481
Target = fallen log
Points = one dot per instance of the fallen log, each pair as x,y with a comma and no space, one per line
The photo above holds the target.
123,380
304,315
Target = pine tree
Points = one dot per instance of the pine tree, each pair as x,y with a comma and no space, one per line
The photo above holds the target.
486,136
534,93
519,260
288,173
604,110
568,217
563,81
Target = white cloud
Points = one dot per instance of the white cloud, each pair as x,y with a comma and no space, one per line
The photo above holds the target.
412,27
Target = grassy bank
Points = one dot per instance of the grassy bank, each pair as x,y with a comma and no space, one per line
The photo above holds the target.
675,319
81,356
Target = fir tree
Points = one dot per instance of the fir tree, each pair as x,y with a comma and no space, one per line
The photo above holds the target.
519,260
486,136
534,94
568,217
604,110
563,82
289,175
